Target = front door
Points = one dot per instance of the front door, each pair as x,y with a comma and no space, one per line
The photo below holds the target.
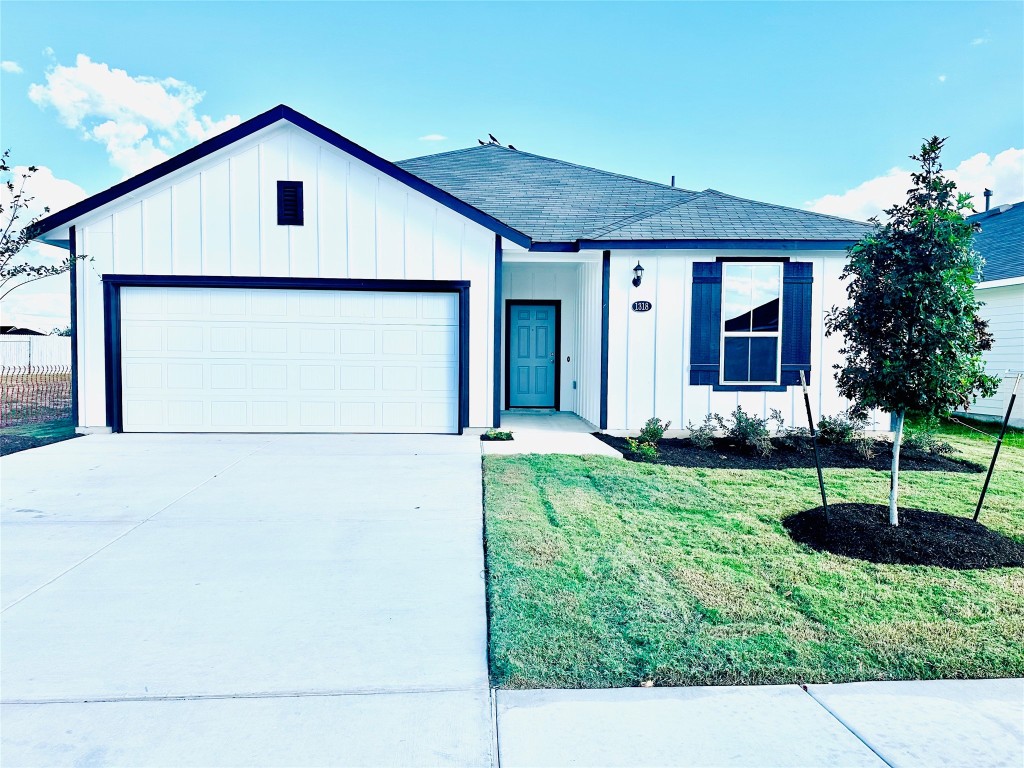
532,341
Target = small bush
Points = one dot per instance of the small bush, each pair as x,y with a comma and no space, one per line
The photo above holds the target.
865,447
750,431
496,435
789,437
703,435
843,428
923,437
653,430
644,451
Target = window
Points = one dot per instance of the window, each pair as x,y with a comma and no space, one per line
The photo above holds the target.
751,323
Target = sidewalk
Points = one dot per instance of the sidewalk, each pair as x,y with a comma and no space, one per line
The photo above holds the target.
931,724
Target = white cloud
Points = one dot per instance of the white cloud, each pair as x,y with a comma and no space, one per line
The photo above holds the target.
942,78
42,305
139,119
979,41
1003,174
11,66
433,137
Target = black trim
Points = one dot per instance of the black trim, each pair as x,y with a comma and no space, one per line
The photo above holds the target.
496,417
557,304
112,284
606,265
251,126
752,259
73,274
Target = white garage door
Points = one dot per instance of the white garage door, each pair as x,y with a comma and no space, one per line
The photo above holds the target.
283,360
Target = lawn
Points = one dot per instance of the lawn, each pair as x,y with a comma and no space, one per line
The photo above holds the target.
609,573
24,436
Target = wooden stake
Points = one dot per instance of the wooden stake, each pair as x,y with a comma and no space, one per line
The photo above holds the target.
999,444
814,442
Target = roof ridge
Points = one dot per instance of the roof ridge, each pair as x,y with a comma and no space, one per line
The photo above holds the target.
787,207
554,160
637,217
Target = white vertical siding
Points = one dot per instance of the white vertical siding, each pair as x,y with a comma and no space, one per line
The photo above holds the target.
219,217
588,343
649,352
1004,310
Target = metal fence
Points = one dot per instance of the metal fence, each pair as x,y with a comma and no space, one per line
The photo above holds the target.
35,394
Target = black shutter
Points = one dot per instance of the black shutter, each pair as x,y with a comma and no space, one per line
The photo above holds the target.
705,322
798,278
289,203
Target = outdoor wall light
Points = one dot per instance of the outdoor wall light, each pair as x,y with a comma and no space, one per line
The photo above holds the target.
638,275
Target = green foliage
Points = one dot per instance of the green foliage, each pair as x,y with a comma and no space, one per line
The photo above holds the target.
913,339
653,430
15,272
843,428
923,435
497,434
65,331
703,435
645,451
748,430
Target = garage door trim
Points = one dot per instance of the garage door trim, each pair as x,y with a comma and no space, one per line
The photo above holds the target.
112,284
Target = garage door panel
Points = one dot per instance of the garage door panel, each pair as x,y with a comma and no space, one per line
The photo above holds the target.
288,360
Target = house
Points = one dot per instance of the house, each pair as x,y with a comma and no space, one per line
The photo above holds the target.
1000,287
281,278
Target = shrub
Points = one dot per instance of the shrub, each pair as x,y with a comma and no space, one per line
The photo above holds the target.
922,436
644,451
790,437
496,435
703,436
653,430
748,430
843,428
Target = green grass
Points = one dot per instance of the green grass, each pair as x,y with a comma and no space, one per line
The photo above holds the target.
607,573
23,436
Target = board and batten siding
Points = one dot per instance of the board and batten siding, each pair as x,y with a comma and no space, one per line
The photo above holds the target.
218,217
649,352
1004,310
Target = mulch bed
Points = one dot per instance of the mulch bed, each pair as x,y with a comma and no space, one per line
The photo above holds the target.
862,531
681,452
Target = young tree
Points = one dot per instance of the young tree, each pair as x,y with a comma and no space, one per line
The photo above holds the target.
912,335
15,271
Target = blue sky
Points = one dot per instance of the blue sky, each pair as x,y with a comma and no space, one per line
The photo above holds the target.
795,103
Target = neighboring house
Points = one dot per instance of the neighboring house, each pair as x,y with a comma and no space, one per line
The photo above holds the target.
1001,287
279,277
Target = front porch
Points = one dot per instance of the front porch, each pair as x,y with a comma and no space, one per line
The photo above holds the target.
548,431
550,341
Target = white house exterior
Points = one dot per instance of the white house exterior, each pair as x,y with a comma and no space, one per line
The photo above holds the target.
279,278
1001,289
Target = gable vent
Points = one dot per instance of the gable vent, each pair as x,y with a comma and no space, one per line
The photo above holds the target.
289,203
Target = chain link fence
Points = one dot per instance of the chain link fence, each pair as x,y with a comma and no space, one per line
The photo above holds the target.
36,394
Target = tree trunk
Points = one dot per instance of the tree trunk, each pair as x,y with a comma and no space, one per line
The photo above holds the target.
894,488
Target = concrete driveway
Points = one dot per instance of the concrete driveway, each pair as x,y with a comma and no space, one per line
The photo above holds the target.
244,600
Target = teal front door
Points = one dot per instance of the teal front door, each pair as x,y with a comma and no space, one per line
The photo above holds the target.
532,344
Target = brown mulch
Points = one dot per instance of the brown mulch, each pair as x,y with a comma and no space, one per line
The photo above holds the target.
862,531
681,452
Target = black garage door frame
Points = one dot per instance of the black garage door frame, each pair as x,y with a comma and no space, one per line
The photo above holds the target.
113,283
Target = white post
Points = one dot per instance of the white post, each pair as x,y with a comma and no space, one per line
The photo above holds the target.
894,491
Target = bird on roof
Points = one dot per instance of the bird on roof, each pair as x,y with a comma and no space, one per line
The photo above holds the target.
512,148
482,142
494,139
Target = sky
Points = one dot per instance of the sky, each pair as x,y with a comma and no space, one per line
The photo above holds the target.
814,105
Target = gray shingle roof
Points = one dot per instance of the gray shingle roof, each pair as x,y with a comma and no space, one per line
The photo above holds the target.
1001,242
554,201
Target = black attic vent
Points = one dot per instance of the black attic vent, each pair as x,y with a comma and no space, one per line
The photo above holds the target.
289,203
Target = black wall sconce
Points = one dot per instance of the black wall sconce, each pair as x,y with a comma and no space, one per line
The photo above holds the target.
638,275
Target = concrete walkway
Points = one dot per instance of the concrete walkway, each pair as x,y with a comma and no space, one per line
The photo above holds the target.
549,432
932,724
244,600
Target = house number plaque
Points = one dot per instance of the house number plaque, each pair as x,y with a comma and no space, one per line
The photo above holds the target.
642,306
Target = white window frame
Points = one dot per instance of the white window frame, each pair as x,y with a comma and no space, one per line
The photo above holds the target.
723,334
